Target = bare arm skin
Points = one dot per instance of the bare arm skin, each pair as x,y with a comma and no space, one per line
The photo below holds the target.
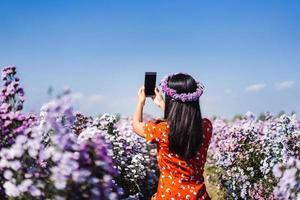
138,124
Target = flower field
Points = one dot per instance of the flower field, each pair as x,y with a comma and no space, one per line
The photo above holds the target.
257,159
61,154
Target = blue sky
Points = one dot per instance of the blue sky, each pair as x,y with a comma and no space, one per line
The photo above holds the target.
246,53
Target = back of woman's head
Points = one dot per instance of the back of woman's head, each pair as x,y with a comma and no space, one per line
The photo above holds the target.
184,118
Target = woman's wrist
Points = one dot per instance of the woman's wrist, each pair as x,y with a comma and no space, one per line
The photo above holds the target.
141,102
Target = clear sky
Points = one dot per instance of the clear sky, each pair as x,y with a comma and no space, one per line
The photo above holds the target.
246,53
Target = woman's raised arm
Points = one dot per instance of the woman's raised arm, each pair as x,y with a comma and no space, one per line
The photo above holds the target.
137,124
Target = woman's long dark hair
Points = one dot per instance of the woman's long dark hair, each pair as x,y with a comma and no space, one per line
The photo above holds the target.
184,118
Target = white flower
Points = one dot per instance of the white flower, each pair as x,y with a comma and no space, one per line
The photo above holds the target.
34,191
15,165
25,184
8,174
11,189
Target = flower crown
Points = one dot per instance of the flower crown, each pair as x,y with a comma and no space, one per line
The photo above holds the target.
183,96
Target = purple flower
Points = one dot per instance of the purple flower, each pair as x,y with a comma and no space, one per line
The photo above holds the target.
182,96
235,144
12,121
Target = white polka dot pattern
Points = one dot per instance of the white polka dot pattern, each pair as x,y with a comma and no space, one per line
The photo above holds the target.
179,179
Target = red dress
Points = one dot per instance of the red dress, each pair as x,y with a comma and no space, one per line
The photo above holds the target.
179,178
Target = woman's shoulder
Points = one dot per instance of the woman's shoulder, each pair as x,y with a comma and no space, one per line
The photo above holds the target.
160,123
206,122
156,130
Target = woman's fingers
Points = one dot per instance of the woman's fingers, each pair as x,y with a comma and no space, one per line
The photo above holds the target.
141,90
141,95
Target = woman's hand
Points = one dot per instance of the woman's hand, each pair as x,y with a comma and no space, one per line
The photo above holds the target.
141,95
158,99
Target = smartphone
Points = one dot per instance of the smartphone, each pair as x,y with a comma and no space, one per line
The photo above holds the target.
150,82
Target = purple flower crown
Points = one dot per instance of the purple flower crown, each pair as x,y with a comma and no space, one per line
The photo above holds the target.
184,97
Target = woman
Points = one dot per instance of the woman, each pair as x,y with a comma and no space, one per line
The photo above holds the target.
182,137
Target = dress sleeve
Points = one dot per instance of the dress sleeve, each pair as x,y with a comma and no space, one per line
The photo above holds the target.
152,135
208,129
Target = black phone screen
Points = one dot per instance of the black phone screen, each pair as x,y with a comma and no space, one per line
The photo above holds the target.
150,82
